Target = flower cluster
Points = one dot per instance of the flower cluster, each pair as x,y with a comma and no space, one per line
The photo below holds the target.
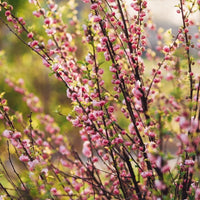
128,118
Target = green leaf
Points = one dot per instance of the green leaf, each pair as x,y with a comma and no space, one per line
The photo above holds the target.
177,93
167,132
170,156
2,94
81,62
169,118
58,109
51,73
100,63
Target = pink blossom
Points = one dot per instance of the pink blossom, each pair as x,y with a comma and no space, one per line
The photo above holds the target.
37,14
104,40
32,164
105,142
51,43
98,103
68,190
19,90
184,123
184,138
24,158
194,125
159,185
5,4
84,137
196,35
77,187
146,174
169,77
134,147
55,67
94,159
100,152
112,69
86,149
63,150
17,135
106,157
97,18
64,163
45,63
152,134
94,6
181,37
21,20
16,143
39,141
128,143
48,21
59,139
7,134
3,101
44,171
32,1
166,49
89,59
20,81
151,157
91,116
34,43
189,162
50,31
119,140
197,193
110,109
6,108
165,168
100,71
116,191
158,161
7,13
9,19
117,82
53,6
137,93
46,144
54,191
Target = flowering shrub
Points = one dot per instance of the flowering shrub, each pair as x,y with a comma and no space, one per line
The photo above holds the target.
140,130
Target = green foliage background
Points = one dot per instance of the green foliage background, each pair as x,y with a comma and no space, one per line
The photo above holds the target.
18,61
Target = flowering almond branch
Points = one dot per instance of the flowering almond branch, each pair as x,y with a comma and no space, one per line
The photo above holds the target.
126,125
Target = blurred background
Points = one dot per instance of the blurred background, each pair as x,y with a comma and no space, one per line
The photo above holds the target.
18,61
